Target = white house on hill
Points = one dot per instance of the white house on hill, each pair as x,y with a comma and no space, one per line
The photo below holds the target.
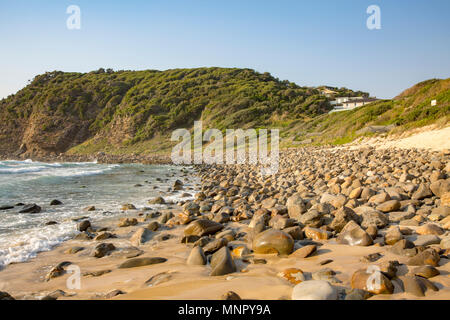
348,103
355,103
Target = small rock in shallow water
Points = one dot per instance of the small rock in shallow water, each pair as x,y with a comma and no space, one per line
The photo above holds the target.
30,208
157,200
126,222
55,203
84,225
84,236
128,206
103,236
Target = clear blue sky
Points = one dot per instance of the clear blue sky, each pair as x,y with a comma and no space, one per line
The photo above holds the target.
321,42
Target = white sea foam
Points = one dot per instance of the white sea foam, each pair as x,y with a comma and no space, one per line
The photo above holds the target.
28,243
22,236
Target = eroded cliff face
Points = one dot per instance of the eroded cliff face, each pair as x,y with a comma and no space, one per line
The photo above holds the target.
36,137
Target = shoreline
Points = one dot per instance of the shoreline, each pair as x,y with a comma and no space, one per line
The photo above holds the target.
241,202
100,158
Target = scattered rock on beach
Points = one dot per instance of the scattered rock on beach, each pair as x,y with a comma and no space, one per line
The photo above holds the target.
230,295
140,262
141,236
354,235
222,263
305,251
293,275
196,257
273,241
113,294
372,281
202,227
425,271
102,250
5,296
314,290
427,257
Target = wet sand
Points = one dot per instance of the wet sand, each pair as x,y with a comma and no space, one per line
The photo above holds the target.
252,281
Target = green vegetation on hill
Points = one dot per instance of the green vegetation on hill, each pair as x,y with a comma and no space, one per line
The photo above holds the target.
136,111
111,110
410,109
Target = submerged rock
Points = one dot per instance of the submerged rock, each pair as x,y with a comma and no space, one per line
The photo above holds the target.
30,208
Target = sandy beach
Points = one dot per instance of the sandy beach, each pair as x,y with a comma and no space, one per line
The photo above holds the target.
419,221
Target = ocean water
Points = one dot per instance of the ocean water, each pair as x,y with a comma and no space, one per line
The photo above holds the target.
76,185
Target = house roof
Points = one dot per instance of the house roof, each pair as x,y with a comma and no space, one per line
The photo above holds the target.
360,100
